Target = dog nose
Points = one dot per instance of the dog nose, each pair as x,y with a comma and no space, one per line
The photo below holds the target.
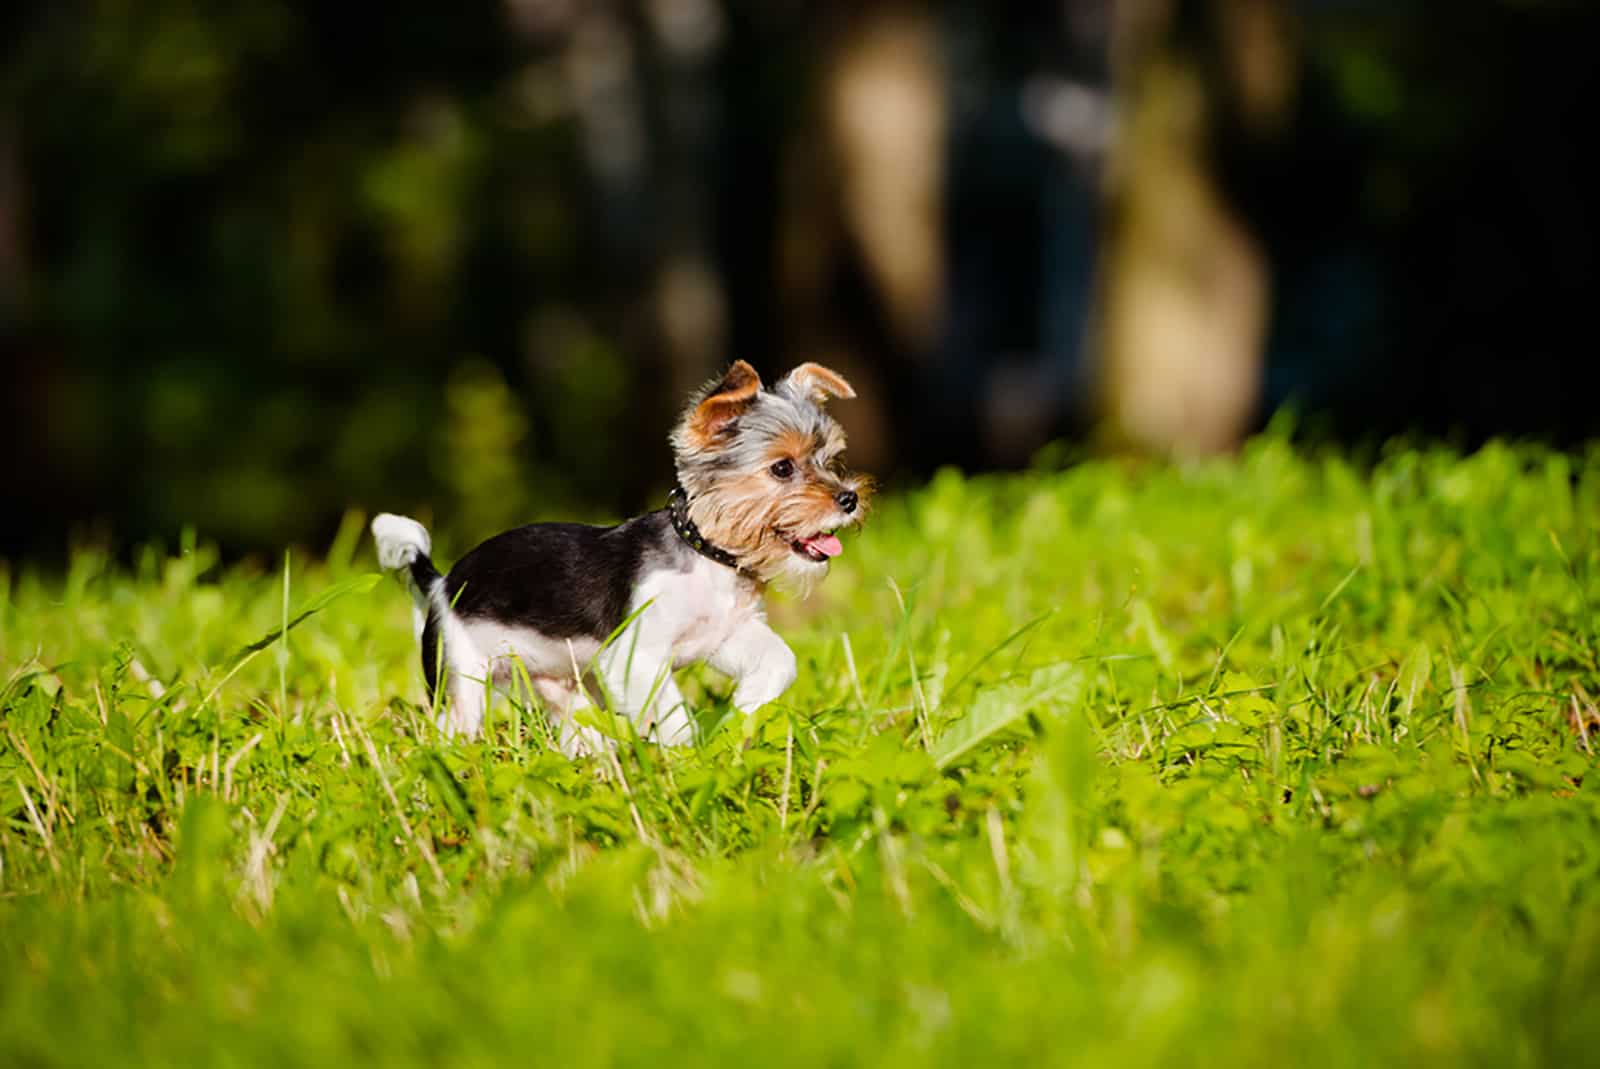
847,500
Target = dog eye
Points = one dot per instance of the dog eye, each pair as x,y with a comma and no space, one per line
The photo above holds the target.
782,469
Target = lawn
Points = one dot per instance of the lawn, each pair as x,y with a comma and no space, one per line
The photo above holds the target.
1284,759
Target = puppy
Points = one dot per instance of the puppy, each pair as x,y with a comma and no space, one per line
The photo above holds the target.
760,493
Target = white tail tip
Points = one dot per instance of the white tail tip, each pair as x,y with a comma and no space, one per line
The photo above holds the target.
400,540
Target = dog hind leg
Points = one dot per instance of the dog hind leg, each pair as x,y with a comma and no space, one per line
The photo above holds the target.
563,699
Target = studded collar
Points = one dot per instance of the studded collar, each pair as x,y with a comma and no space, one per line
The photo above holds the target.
678,512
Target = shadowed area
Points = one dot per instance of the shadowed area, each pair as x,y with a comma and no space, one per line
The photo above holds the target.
264,264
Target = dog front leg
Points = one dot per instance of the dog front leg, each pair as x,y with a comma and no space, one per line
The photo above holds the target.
760,663
637,678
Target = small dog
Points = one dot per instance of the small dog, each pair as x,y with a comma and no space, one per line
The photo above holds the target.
760,493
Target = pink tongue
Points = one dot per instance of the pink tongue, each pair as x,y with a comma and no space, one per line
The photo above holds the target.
828,545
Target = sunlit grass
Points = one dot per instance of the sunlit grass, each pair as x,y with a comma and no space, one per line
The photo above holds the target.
1269,760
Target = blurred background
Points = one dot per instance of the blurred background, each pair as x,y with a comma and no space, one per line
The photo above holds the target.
261,262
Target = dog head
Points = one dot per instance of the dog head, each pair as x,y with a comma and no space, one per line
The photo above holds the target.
761,466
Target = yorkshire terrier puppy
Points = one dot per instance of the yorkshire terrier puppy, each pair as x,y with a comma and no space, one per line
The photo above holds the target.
760,493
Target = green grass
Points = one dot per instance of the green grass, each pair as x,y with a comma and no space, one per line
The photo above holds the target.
1276,760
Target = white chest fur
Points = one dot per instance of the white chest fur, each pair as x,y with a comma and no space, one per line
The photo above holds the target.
694,613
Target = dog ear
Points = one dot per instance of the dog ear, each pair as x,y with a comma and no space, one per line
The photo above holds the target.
816,383
722,403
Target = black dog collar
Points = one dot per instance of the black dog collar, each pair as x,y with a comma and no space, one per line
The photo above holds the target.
678,510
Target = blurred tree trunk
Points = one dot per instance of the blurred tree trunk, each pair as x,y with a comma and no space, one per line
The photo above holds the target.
1185,296
885,116
12,252
641,76
863,195
690,305
34,489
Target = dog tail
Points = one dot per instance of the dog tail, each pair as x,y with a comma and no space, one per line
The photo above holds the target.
403,546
